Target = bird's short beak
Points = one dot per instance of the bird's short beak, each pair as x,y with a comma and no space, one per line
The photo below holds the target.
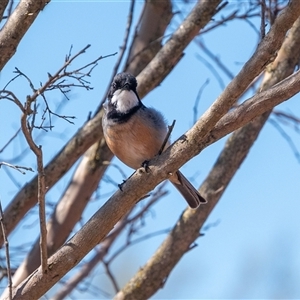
126,86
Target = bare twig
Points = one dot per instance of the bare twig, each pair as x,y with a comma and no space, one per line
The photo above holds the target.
55,82
37,150
286,116
263,19
287,138
111,276
109,163
10,140
18,168
166,140
215,58
251,12
195,108
6,252
213,70
121,54
8,95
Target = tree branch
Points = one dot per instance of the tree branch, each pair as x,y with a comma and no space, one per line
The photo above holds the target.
153,274
105,245
37,150
154,73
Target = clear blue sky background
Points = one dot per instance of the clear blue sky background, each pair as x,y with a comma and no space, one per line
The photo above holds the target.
253,252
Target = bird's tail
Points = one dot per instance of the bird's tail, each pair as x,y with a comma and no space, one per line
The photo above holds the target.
190,194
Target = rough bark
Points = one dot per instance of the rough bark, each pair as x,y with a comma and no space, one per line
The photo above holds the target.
152,276
154,20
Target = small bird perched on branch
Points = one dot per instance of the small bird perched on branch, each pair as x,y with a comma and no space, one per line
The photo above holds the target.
136,133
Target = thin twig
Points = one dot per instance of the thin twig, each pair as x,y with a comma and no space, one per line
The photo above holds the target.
6,252
10,140
111,276
287,116
166,140
109,163
18,168
287,138
8,95
54,82
62,72
138,240
213,70
37,150
233,16
195,108
121,54
263,19
215,58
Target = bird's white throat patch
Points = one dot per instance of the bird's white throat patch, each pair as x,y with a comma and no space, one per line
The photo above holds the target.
124,100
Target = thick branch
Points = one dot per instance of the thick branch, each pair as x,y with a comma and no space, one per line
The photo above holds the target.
151,276
147,41
106,244
170,54
265,53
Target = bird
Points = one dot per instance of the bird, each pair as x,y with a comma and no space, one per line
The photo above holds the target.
135,133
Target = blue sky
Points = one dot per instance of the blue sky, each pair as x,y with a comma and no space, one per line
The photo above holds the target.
253,251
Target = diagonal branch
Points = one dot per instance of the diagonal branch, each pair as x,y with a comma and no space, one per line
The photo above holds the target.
153,274
154,73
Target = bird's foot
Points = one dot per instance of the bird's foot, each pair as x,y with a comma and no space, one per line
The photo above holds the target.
145,165
120,185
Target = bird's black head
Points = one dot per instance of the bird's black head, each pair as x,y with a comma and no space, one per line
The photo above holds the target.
124,81
123,100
